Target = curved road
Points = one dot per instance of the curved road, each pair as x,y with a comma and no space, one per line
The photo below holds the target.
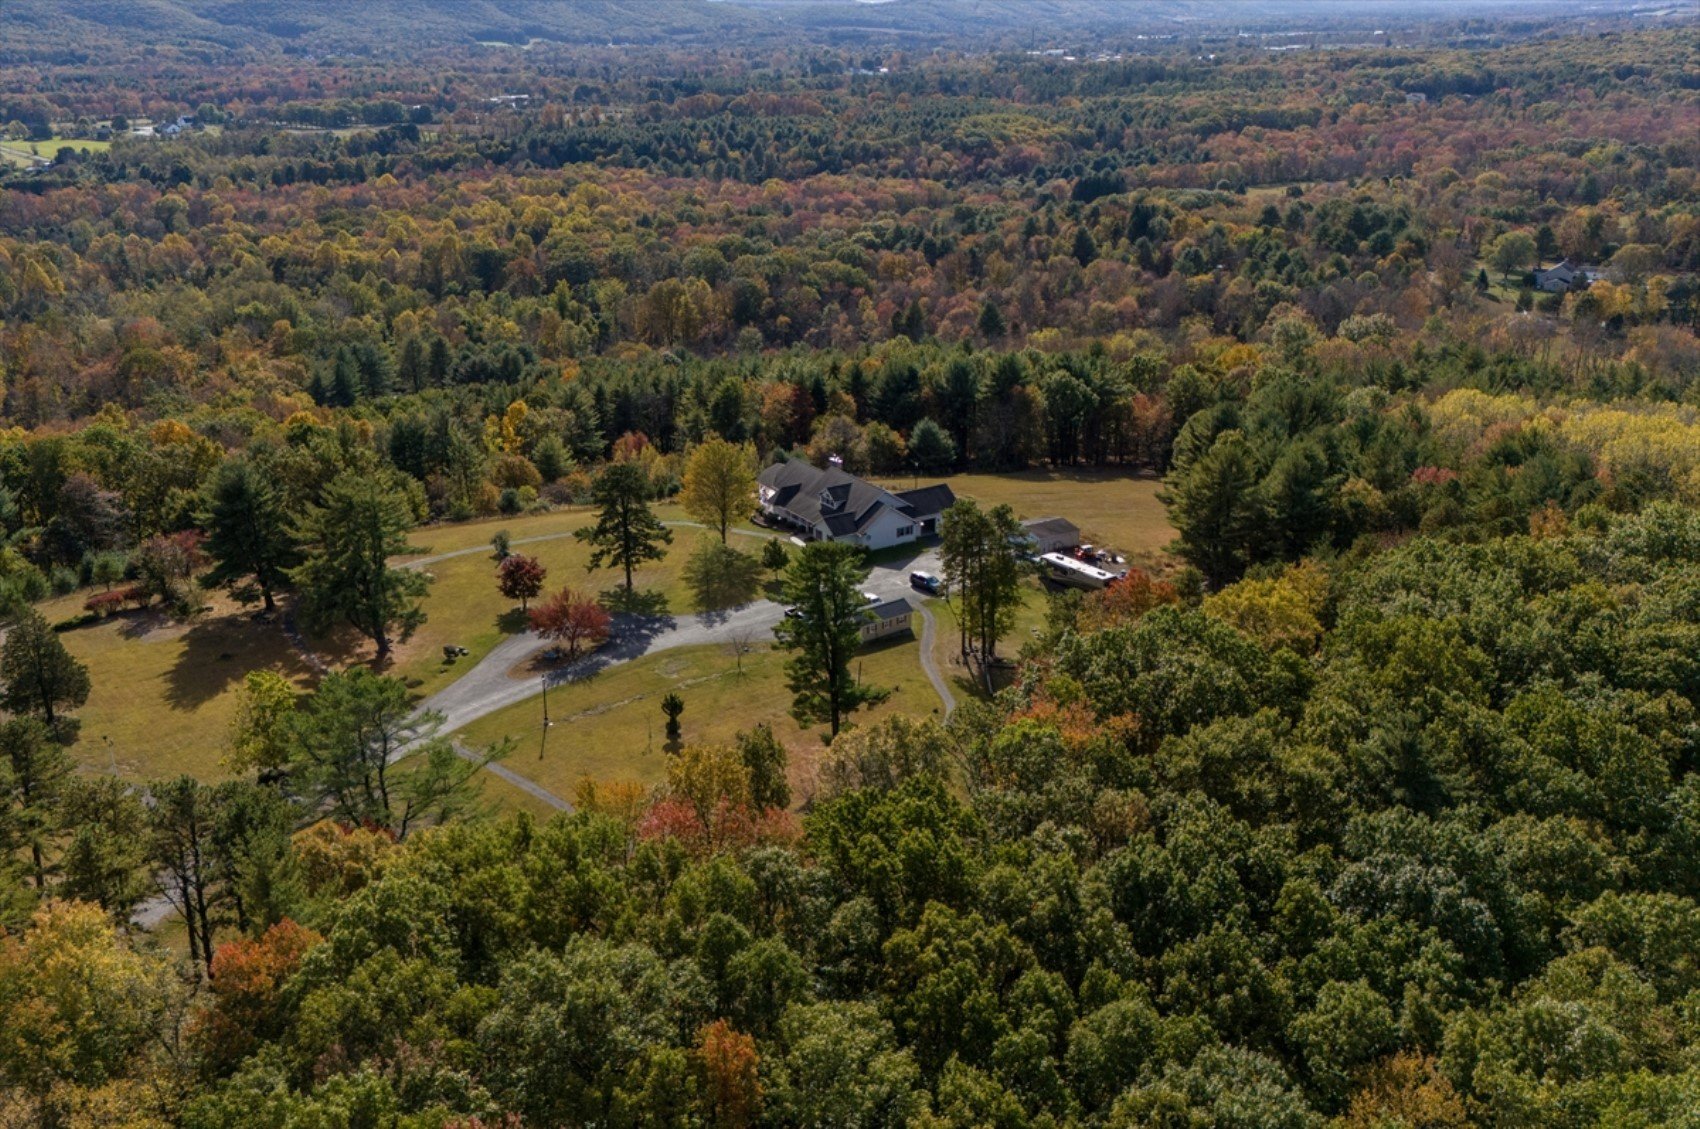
489,686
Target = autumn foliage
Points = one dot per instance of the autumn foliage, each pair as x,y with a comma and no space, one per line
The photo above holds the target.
520,577
574,621
246,982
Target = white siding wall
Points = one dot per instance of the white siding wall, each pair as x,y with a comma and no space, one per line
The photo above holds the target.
887,529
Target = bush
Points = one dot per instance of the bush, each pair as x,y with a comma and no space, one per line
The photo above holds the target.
103,604
62,580
31,584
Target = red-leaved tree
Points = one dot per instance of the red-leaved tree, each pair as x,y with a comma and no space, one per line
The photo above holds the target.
245,1007
575,622
520,578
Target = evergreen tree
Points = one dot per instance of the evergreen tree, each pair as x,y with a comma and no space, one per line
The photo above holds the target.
823,630
346,575
248,535
1085,247
929,447
41,677
627,533
1215,505
36,768
180,828
984,575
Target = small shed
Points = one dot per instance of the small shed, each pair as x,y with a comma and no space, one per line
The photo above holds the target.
886,619
1052,534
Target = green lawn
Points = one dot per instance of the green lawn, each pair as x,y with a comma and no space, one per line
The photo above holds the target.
463,607
163,694
26,152
610,727
1115,508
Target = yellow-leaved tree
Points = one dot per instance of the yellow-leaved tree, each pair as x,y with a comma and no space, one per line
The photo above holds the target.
720,483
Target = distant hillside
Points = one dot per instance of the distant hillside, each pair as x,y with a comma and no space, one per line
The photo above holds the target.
314,25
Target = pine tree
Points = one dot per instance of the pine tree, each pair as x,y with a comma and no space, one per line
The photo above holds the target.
821,586
1215,505
627,533
42,679
346,574
248,535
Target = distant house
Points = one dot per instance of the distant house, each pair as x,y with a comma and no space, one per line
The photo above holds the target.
1051,534
835,505
1567,275
886,619
1416,98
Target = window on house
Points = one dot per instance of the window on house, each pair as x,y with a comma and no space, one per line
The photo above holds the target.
905,530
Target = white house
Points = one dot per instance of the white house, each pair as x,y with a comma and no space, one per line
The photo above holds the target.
835,505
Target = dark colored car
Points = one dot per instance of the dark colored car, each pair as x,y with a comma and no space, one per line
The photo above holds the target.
926,582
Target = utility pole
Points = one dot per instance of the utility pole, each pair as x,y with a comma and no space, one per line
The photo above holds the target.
543,738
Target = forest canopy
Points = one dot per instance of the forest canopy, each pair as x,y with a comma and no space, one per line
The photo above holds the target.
1369,801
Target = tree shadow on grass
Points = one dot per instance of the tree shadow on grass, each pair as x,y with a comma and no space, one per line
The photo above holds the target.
513,621
630,637
217,654
645,602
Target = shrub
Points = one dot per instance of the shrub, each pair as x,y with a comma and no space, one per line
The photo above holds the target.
103,604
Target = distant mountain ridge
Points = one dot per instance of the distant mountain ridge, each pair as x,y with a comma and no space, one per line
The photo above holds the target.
383,24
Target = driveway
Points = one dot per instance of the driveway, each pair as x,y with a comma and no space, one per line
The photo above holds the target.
487,687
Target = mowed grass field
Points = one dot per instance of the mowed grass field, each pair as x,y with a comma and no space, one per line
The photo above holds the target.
610,727
464,609
163,694
31,152
1114,508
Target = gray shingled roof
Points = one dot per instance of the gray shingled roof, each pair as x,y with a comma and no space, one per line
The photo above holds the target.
928,501
890,609
840,500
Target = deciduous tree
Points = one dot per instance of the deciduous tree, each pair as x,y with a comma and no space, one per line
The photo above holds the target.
719,484
576,622
520,577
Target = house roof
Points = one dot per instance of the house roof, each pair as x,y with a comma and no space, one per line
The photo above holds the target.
841,501
1051,525
928,501
890,609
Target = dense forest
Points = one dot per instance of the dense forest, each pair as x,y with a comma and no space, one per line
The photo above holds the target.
1372,804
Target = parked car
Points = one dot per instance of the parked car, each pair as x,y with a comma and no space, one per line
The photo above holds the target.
926,582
